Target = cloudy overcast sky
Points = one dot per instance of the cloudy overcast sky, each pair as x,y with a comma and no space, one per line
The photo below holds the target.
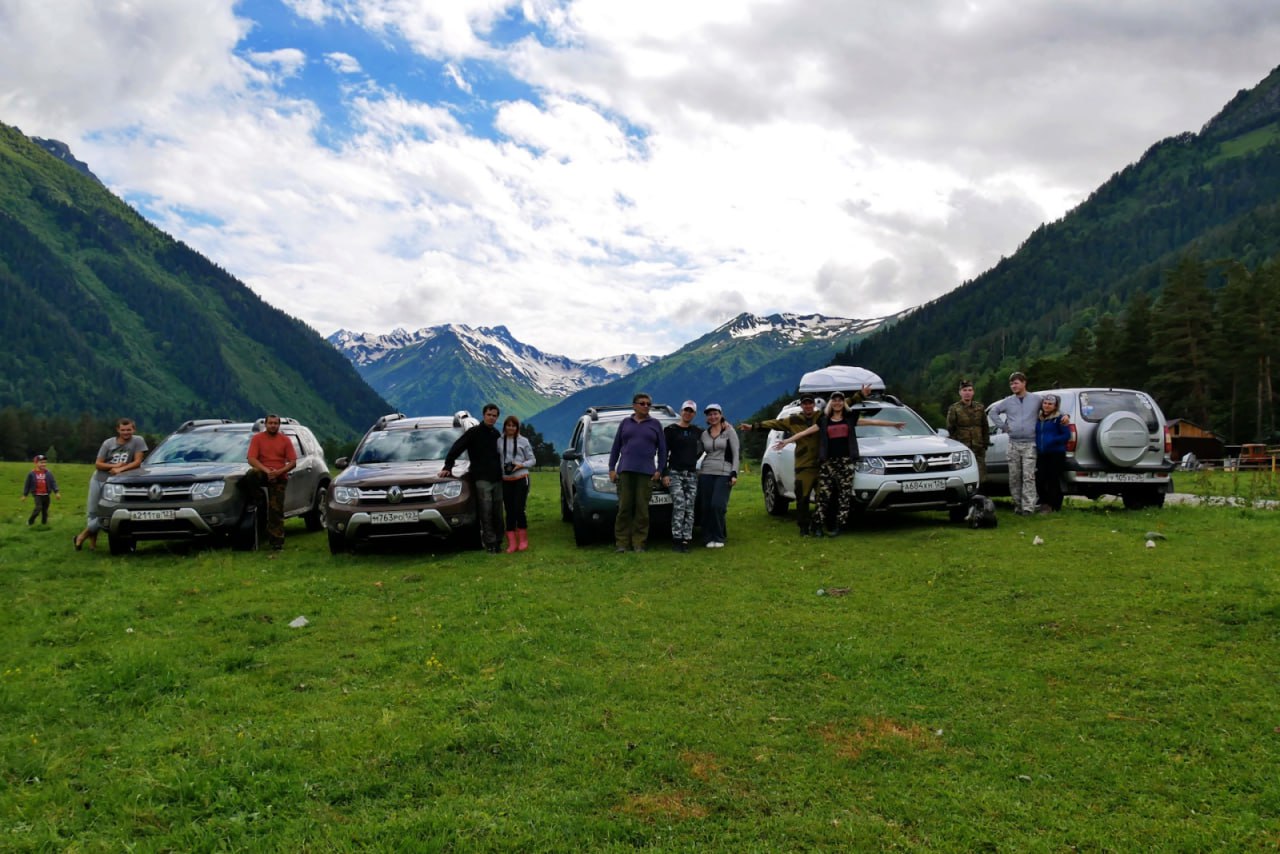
609,176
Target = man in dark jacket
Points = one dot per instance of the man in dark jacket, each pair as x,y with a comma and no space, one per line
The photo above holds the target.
480,443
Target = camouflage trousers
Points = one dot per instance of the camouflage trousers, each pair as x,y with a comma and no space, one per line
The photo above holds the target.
275,511
806,480
1022,476
684,497
835,494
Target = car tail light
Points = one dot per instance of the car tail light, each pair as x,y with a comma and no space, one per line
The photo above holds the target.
1168,442
1071,442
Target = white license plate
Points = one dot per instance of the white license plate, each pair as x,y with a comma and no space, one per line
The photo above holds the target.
924,485
660,498
1128,477
395,516
151,515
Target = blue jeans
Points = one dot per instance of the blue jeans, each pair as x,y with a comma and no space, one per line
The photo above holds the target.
713,501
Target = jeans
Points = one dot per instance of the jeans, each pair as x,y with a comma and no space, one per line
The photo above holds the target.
713,501
489,503
91,508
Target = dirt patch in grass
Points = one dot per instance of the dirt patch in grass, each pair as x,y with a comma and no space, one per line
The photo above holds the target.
875,734
702,766
663,805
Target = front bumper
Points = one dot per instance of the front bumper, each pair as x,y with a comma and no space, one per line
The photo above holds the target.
892,495
364,525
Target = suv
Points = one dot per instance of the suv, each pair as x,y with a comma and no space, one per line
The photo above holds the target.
915,468
391,487
193,486
1120,445
588,498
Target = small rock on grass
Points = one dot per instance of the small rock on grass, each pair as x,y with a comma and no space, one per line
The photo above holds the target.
299,622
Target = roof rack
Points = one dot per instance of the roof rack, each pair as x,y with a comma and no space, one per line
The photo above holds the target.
188,426
261,423
381,423
595,411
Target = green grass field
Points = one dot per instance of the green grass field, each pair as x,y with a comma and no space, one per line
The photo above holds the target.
971,691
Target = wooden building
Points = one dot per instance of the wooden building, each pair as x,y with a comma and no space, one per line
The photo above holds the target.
1189,438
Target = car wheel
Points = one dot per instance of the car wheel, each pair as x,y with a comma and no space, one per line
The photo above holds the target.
775,503
1155,498
121,545
337,542
584,533
1134,499
958,514
249,532
315,517
566,512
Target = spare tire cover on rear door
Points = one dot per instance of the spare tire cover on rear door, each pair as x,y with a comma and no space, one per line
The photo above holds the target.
1122,438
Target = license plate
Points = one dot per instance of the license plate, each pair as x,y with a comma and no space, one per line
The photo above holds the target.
1128,478
395,516
151,515
659,498
923,485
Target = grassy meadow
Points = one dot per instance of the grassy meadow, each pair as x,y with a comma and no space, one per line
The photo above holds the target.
953,690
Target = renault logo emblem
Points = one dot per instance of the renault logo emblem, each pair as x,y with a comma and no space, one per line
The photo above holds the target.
919,463
156,492
395,495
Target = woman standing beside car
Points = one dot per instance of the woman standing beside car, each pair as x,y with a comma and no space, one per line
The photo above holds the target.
720,453
1052,435
517,460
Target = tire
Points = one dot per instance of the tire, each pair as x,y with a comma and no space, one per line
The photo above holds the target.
337,543
1122,439
958,514
1155,498
584,533
315,517
121,545
775,503
1135,499
249,533
566,513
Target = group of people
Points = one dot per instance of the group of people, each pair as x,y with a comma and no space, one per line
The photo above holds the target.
697,464
1038,435
500,463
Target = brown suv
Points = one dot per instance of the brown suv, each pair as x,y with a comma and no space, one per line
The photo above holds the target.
391,486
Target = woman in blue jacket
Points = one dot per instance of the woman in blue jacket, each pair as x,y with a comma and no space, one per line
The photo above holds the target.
1052,435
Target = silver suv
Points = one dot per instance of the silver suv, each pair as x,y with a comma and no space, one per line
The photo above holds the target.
1120,445
915,468
192,486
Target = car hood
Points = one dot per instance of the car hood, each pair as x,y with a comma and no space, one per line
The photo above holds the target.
395,472
896,446
182,471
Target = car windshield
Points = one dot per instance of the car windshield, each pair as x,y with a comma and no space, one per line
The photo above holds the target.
208,447
1097,405
600,435
915,425
402,446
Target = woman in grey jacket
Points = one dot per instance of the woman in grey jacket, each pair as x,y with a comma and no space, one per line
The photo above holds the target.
720,454
517,460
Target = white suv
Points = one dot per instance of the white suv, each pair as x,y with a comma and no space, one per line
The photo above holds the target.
915,468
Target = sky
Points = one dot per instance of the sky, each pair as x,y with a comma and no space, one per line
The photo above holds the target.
605,176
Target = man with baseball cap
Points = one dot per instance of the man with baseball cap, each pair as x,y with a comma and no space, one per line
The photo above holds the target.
967,424
807,463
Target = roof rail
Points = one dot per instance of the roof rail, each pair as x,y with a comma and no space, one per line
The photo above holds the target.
596,411
188,426
460,416
261,423
381,423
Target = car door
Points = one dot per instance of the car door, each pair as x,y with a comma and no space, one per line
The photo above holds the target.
302,480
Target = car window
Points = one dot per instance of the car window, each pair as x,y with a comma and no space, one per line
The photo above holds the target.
915,425
201,448
1097,405
600,436
387,446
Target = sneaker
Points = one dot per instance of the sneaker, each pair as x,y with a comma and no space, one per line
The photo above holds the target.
620,550
711,545
677,546
717,545
640,548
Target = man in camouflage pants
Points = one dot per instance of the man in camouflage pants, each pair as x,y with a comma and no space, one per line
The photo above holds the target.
967,424
806,453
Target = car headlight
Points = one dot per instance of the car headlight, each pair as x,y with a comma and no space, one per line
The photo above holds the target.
448,489
209,489
345,495
961,459
870,465
601,483
113,491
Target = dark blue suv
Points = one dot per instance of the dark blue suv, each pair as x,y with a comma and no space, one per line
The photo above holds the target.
588,498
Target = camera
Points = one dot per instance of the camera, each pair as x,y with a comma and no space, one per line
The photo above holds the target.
508,468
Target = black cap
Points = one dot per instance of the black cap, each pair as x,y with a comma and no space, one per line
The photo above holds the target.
806,398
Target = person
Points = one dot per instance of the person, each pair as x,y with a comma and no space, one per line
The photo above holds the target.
636,461
517,459
837,453
684,447
1019,412
272,456
1052,436
720,455
806,454
120,453
967,424
40,485
480,444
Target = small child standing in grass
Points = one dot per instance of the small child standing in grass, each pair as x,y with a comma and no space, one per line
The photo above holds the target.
40,484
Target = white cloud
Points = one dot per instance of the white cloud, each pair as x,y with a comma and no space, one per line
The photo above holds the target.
287,62
343,63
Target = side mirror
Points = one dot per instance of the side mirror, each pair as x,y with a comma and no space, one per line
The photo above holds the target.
572,455
341,462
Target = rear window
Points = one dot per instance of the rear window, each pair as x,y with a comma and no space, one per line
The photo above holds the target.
1097,405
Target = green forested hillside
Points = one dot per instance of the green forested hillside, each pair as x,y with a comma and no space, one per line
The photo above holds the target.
104,314
1207,196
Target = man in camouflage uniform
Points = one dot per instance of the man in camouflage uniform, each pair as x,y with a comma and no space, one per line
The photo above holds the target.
806,453
967,424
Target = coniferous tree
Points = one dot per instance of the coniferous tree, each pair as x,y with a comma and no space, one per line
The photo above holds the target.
1182,343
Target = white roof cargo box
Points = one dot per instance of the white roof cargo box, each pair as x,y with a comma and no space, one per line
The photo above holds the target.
846,378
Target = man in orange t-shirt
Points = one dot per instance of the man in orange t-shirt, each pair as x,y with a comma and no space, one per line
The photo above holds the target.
272,456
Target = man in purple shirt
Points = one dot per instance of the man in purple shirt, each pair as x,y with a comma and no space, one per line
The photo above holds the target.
636,461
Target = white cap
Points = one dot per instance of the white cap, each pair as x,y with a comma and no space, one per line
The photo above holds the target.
715,406
689,404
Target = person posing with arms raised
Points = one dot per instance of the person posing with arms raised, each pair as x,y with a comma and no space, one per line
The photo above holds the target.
806,454
684,446
1052,435
480,443
122,452
719,474
517,460
838,451
636,461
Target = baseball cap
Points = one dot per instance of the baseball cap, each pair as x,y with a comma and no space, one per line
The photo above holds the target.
966,383
836,395
689,404
38,457
806,398
713,406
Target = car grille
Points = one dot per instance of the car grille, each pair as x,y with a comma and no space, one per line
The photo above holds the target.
407,493
168,492
919,464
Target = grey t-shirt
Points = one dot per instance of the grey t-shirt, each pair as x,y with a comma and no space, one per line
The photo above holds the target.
115,453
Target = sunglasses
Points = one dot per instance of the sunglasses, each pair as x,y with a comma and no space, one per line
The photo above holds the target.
642,403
